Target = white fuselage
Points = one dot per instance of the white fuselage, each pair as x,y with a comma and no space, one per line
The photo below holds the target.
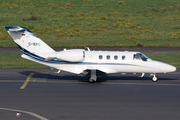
110,62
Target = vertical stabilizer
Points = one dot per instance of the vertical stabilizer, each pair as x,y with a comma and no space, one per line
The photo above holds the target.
27,41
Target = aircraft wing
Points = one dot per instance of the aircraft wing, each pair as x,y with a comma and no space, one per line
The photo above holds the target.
73,70
106,70
80,70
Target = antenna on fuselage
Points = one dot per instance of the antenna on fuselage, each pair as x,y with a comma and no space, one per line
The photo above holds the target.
88,49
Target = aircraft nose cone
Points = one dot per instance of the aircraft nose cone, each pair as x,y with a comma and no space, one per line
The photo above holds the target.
168,68
171,68
165,67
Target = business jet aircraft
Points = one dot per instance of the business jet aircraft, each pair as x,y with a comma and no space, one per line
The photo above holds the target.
85,62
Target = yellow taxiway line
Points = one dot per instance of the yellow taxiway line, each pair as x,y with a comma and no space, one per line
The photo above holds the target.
11,80
79,82
27,80
107,82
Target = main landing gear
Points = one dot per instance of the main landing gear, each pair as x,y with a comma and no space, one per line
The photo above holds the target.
92,76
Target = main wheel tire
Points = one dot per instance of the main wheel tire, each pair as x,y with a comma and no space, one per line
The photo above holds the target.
91,80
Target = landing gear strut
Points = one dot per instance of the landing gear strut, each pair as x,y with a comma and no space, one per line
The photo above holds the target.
142,75
93,76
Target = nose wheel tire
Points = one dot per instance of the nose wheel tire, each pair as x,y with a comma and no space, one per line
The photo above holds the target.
154,79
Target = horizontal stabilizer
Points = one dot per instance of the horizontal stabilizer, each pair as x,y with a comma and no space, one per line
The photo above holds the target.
17,30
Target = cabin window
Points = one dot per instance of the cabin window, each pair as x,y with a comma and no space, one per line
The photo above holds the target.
108,57
136,57
123,57
100,57
115,57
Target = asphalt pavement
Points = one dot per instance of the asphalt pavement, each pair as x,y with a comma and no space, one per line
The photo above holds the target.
43,94
67,96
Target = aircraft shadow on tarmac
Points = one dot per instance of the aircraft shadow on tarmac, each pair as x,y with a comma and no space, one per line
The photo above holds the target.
69,76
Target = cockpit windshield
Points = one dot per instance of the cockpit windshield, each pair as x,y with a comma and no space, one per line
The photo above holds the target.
139,56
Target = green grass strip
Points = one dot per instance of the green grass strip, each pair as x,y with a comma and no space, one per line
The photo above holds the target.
94,23
14,60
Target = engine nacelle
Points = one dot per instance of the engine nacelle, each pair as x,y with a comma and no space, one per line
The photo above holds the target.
71,55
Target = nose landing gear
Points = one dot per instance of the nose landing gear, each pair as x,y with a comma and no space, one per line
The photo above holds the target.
154,78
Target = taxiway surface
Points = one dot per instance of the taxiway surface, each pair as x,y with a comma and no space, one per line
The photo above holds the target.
67,96
42,94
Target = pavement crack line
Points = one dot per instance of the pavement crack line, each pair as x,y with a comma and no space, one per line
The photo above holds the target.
30,113
27,80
